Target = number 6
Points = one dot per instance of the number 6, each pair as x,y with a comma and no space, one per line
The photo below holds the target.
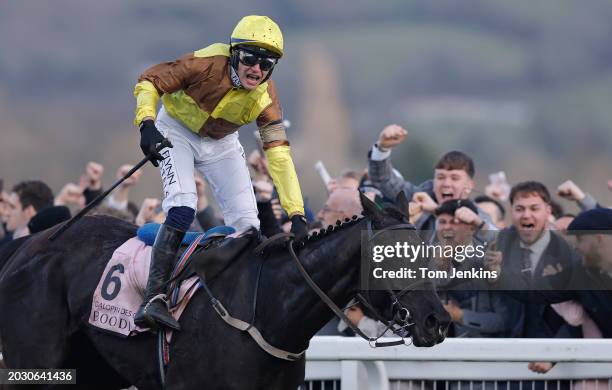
109,296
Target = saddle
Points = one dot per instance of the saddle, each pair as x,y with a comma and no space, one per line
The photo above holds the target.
147,233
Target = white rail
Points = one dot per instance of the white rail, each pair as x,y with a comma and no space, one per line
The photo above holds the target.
357,366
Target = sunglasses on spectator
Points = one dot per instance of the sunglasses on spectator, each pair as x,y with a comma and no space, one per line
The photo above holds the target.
250,59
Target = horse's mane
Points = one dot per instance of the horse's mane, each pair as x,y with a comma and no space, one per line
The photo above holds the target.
327,231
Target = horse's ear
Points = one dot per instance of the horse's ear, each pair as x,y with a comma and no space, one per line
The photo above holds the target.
370,209
402,203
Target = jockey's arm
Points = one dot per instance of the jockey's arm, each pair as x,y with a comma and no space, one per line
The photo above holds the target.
277,150
281,168
159,79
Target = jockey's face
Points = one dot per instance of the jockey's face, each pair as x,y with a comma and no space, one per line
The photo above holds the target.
250,76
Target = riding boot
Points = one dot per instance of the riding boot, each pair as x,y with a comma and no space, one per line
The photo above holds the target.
154,309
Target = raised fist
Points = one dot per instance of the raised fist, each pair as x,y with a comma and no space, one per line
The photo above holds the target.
570,191
425,201
391,136
92,178
147,211
70,194
467,216
130,181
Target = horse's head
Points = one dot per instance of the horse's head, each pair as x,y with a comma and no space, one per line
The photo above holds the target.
415,307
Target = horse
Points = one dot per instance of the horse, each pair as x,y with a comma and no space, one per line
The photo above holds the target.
46,290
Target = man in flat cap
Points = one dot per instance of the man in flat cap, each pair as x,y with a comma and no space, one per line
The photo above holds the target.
593,232
591,283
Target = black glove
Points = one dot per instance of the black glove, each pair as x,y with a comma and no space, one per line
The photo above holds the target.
149,138
299,228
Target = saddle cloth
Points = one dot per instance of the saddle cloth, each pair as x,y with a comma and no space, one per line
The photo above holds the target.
120,290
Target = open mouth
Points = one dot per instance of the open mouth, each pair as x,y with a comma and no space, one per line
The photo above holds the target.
448,235
253,77
527,226
447,195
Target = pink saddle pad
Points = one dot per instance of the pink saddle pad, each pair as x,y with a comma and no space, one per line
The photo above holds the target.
121,290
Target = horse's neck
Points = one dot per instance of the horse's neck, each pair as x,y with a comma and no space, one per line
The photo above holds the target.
333,263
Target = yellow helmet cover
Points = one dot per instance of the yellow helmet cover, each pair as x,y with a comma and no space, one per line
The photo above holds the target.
258,31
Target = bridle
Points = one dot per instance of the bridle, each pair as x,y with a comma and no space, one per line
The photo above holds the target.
402,319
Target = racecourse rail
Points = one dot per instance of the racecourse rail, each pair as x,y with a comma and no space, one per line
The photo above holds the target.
346,363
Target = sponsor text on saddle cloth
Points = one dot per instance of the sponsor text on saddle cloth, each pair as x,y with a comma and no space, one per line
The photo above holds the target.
120,290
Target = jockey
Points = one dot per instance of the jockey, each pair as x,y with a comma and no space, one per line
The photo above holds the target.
206,96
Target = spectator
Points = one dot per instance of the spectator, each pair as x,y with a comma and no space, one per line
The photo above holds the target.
48,217
341,203
561,225
494,209
5,236
480,313
70,194
556,211
26,199
563,222
347,180
528,248
453,179
119,198
149,212
91,181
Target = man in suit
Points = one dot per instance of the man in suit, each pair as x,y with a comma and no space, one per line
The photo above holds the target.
532,252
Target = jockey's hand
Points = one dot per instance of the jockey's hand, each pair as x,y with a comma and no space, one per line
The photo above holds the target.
299,228
149,138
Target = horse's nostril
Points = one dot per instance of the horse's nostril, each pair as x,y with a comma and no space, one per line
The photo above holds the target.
431,322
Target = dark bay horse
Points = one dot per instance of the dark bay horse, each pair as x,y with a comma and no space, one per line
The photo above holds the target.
46,293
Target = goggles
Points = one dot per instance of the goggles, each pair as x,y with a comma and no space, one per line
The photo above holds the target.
250,59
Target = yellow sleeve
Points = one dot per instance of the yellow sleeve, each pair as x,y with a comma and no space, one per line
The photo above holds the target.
280,167
147,98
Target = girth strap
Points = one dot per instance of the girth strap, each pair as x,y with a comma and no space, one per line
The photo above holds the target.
255,333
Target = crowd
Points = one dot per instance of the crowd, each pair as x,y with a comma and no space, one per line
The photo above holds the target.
532,237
